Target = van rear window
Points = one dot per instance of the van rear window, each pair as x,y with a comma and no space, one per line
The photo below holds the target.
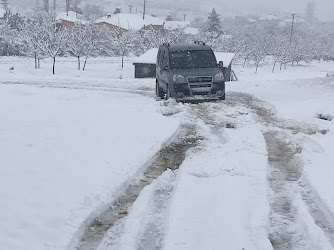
192,59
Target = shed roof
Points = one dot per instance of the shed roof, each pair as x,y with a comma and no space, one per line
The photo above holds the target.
148,57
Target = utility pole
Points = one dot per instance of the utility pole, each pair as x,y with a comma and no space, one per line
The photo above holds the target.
292,25
54,9
130,6
144,10
236,20
184,17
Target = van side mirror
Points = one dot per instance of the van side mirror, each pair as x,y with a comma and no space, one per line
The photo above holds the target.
221,64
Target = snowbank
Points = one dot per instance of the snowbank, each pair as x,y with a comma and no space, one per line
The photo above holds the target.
67,154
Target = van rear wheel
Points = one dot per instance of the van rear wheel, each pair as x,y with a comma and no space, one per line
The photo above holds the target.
158,90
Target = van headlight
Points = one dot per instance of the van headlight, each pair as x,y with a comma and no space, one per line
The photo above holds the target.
179,78
219,77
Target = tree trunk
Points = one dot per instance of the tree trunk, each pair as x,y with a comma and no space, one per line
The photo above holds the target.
123,59
85,63
274,66
284,65
39,63
35,54
79,66
257,66
245,63
54,65
280,68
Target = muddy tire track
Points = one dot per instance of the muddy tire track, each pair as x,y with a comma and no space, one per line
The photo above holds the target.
284,174
169,157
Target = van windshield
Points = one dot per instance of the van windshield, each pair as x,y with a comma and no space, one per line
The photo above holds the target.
192,59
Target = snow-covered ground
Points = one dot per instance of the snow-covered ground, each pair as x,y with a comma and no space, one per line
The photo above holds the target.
66,155
71,143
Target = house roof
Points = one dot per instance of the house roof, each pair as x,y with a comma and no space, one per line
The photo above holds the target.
191,31
130,21
297,20
71,17
170,25
269,18
148,57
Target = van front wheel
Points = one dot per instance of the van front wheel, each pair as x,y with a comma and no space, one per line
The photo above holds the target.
167,96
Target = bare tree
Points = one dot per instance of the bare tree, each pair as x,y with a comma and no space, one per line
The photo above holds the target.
53,40
121,41
78,41
29,39
96,40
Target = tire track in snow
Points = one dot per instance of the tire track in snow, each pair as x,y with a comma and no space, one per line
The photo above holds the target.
322,216
169,157
285,171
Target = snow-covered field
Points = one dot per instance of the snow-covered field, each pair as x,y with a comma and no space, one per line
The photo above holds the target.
71,143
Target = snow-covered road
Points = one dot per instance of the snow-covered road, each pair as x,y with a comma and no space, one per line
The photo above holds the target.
94,163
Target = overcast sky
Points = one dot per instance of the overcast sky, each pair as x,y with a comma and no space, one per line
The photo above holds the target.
324,8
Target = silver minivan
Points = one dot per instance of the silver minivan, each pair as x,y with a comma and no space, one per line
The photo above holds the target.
189,72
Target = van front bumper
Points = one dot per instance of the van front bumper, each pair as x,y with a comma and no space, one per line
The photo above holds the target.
186,92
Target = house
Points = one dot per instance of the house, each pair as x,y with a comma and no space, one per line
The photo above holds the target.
69,19
270,19
126,21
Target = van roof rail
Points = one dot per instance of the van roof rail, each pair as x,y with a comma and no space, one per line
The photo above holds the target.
200,42
166,44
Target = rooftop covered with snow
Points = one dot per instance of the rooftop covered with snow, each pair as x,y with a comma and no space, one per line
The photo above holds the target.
130,21
70,16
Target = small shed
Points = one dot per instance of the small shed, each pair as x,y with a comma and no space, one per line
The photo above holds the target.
145,65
